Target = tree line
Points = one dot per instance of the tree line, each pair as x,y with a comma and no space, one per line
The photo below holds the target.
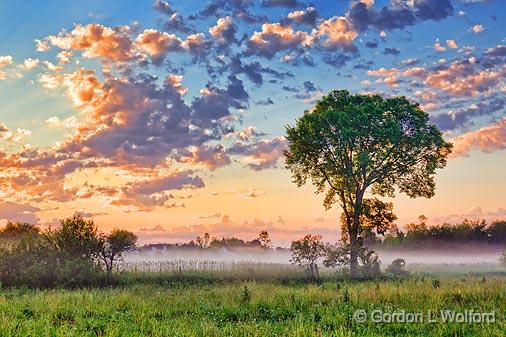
421,236
206,242
75,254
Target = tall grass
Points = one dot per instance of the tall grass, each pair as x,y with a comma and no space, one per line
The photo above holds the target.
267,310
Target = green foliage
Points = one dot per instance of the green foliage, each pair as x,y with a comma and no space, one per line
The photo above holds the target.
111,247
34,262
306,252
262,242
348,141
497,231
419,235
75,238
65,257
348,144
17,230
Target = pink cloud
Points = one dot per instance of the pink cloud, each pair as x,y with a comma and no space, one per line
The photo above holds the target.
487,139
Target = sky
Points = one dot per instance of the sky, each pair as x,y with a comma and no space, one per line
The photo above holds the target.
168,118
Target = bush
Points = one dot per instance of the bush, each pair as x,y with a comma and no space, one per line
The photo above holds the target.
369,263
397,268
67,257
33,262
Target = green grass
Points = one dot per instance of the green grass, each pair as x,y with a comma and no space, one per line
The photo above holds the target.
264,309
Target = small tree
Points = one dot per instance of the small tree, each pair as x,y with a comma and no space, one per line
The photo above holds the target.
306,252
264,239
204,241
112,247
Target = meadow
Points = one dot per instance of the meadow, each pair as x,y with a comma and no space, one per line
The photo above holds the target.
248,302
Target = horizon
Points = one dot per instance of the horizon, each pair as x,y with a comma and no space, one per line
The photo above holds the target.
146,113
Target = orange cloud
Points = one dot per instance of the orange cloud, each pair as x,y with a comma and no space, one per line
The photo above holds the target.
5,60
391,81
95,40
460,79
224,30
487,139
337,32
383,72
415,72
275,37
157,43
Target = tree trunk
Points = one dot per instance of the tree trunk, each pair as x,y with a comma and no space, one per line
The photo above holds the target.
353,255
313,271
354,243
109,270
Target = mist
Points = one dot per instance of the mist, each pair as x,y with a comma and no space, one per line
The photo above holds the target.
477,255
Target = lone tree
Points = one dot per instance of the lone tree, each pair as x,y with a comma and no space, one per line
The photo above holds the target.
264,239
349,144
306,252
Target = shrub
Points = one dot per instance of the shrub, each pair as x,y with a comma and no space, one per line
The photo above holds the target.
66,257
397,268
369,264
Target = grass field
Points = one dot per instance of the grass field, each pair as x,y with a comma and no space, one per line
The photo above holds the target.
259,308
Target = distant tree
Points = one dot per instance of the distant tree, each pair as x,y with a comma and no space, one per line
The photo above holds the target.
229,243
15,230
264,238
348,144
234,242
306,252
203,241
112,246
255,244
497,231
394,237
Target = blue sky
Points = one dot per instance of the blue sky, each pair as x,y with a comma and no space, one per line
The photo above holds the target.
82,128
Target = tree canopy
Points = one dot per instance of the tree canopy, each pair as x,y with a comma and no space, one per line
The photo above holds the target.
349,144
